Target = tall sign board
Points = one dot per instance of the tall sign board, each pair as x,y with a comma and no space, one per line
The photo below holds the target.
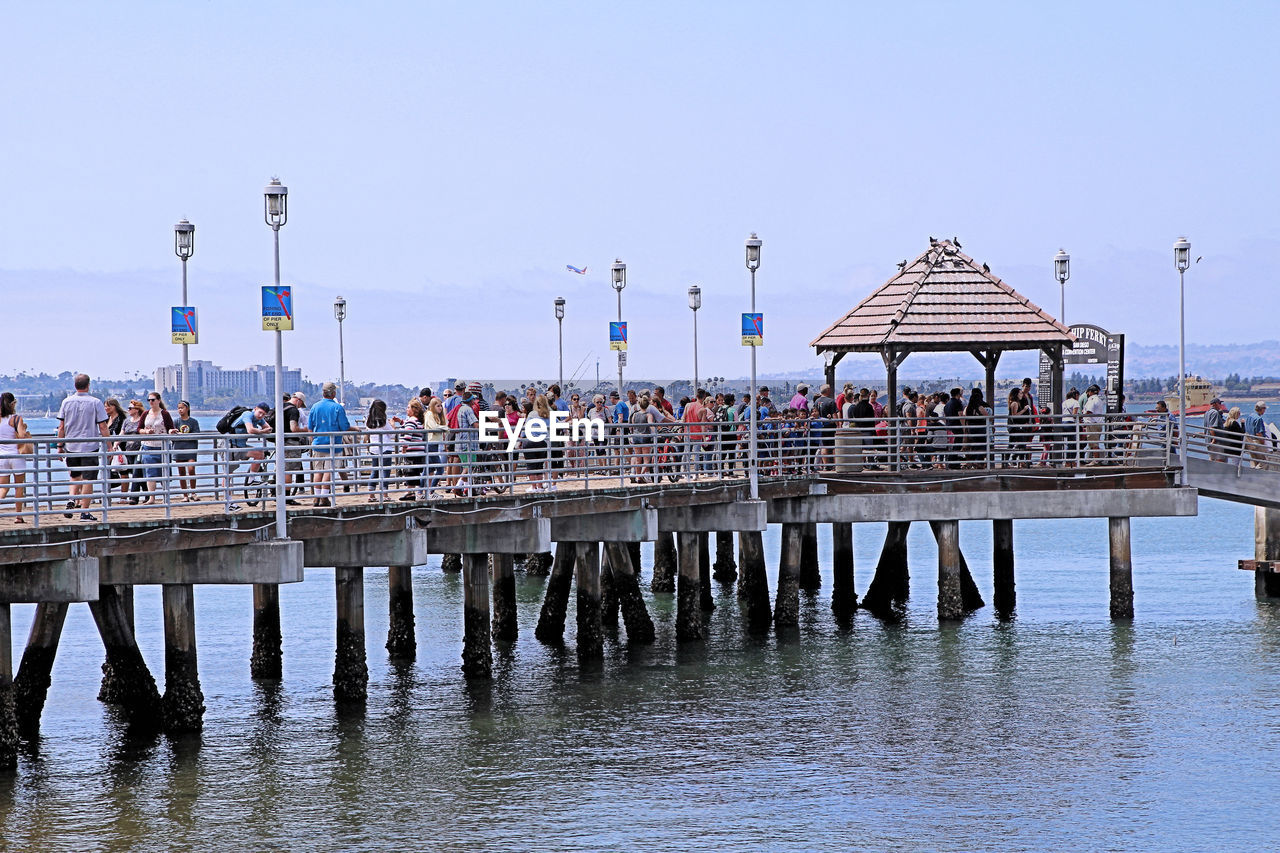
1094,346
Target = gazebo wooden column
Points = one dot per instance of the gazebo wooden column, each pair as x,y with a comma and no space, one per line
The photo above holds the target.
989,359
1056,391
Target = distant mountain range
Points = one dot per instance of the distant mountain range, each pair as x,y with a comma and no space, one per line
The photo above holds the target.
1213,361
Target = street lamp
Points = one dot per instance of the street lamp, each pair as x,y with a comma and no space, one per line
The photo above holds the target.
1062,270
753,264
275,210
1182,260
695,302
619,270
184,246
560,325
340,314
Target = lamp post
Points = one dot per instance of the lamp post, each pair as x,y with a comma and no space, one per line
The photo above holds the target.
1062,270
619,270
340,314
753,264
275,210
560,329
184,246
1182,260
695,302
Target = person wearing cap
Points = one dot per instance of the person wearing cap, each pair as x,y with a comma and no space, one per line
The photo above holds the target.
1255,435
1213,422
327,417
463,419
451,402
252,422
1092,413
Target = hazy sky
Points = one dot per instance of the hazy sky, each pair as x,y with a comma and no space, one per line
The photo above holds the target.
445,161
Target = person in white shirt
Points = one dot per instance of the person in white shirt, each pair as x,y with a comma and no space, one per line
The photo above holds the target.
1071,427
1091,414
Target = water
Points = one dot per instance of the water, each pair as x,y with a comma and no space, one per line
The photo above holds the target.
1060,730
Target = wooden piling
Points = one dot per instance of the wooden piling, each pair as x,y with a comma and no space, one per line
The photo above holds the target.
633,548
1005,595
477,656
688,611
664,563
844,598
810,572
725,569
705,601
266,660
556,600
350,664
9,738
970,597
183,699
950,597
31,685
451,563
1121,568
891,584
133,688
538,565
110,690
608,595
786,610
635,616
505,626
1266,546
402,642
587,576
753,583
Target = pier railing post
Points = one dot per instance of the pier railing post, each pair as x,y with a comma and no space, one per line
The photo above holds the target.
844,598
1005,596
590,628
504,598
786,610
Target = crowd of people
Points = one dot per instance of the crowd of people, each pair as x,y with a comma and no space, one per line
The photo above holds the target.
435,445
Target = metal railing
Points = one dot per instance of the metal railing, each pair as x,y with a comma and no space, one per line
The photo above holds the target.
1233,448
122,477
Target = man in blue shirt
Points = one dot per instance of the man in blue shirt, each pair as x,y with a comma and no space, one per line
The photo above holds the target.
1255,434
326,417
252,422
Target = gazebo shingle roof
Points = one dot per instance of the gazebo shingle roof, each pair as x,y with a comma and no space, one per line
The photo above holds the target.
943,302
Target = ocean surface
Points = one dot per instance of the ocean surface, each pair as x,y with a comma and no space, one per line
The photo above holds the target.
1057,731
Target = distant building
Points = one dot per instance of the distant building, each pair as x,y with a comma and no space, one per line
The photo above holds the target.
206,379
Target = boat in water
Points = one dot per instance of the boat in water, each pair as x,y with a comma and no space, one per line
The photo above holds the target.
1199,392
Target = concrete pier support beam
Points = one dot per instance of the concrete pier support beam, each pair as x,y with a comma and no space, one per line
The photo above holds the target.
891,585
8,717
133,688
844,598
705,601
350,664
590,628
725,569
1266,546
265,662
550,628
626,586
810,572
950,598
753,583
608,595
505,627
477,656
402,641
1006,597
451,563
183,698
664,563
1121,568
688,609
31,685
786,610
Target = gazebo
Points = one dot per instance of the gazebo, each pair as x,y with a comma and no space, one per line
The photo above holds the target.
944,301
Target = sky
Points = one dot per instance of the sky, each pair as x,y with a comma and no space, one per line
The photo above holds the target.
445,161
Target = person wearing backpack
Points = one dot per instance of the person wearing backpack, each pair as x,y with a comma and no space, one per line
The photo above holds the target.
244,423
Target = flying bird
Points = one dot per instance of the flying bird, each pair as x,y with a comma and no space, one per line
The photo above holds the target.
572,268
1199,259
